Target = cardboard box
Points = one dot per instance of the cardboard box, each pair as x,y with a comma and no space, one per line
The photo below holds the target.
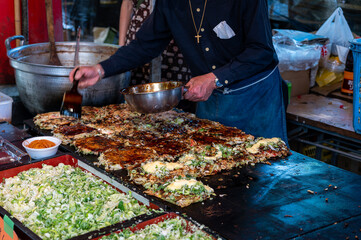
6,107
300,81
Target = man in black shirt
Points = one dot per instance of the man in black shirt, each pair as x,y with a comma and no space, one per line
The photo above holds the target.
228,47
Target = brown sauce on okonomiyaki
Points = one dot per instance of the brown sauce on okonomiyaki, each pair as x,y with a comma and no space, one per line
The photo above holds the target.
143,136
128,156
203,139
75,129
96,143
168,146
164,128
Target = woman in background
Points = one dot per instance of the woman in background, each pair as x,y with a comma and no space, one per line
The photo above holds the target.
132,15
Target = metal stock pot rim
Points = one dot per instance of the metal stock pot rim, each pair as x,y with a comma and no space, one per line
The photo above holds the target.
13,54
19,56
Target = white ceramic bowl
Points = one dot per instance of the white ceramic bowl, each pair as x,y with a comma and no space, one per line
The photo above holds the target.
42,152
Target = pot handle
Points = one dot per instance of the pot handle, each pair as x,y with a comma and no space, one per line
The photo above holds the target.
122,91
184,90
10,39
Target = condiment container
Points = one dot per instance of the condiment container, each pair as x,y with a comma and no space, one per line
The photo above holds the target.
37,153
6,107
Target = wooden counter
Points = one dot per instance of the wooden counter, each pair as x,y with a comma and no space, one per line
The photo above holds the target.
329,114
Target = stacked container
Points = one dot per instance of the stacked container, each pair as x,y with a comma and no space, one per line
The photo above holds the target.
6,106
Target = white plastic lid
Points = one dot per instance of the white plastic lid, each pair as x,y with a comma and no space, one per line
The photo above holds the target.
5,99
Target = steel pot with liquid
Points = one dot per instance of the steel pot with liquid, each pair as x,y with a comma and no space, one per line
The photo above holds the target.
41,87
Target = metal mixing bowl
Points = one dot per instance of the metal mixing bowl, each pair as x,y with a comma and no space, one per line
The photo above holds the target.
153,97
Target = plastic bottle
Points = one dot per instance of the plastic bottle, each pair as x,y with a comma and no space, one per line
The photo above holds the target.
347,84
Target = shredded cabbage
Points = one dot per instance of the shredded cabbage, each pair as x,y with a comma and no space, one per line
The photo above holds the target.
171,229
62,202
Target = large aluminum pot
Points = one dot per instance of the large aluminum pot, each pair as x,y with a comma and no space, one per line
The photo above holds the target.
154,97
41,87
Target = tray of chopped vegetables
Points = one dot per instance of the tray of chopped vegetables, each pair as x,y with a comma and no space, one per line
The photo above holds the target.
169,226
63,198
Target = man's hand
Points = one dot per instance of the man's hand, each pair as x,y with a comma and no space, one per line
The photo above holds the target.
200,88
87,76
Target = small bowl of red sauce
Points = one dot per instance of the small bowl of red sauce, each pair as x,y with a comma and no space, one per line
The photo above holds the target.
41,147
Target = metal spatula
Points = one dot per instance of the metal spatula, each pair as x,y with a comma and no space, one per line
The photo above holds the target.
72,99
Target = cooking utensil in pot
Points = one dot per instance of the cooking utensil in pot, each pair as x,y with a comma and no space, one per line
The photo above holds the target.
72,99
53,59
154,97
76,53
71,105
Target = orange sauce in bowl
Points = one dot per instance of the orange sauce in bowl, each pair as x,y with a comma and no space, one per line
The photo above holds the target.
43,143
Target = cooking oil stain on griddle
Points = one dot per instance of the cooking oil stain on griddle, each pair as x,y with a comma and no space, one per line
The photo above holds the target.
216,210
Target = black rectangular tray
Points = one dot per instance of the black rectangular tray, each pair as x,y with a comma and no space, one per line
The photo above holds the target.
163,217
25,233
225,184
273,201
219,182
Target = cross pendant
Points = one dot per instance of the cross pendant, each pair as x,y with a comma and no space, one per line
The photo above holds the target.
198,36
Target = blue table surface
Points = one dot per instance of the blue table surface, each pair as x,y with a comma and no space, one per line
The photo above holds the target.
274,202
